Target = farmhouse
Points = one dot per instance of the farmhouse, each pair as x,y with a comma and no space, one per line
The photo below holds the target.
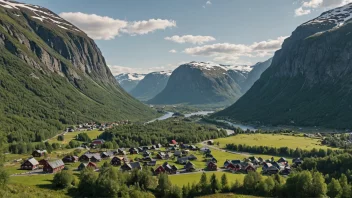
161,155
192,157
211,166
121,152
70,159
159,170
173,142
178,154
182,160
147,158
282,160
116,161
94,157
87,165
106,155
53,166
151,163
189,167
98,142
133,151
39,153
210,142
30,164
131,166
297,161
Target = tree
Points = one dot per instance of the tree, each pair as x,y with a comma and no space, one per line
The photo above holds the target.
86,186
224,183
164,185
266,187
63,179
214,184
334,188
203,184
60,138
346,188
107,182
175,192
4,177
319,187
251,180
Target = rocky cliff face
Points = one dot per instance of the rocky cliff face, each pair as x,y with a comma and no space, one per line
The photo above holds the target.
199,83
53,74
255,74
309,80
151,85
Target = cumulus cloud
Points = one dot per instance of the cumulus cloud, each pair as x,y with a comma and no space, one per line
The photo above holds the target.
308,5
173,51
107,28
190,39
144,27
207,3
227,52
97,27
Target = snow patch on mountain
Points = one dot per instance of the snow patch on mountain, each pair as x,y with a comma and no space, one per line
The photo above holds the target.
212,66
129,77
338,16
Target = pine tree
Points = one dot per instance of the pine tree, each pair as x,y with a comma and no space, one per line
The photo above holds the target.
334,188
214,184
224,183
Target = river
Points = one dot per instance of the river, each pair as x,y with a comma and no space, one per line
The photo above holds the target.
169,115
241,126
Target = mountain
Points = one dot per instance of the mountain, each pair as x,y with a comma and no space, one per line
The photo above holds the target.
310,79
255,74
199,83
128,81
52,74
151,85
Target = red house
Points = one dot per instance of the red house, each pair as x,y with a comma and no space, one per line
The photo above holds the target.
70,159
30,164
98,141
211,166
173,142
116,161
159,170
87,165
54,166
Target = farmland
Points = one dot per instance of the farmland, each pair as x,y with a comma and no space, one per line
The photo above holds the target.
72,135
272,140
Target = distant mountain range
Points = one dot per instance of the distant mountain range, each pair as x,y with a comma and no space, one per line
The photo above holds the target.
52,75
151,85
199,83
310,79
129,81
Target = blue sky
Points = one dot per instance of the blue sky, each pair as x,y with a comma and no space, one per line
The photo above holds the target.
132,34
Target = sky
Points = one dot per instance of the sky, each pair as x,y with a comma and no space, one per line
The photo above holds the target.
158,35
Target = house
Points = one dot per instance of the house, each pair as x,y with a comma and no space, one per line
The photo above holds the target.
146,148
282,160
210,142
39,153
249,167
207,155
193,148
213,160
211,166
106,155
131,166
266,165
226,163
140,149
254,160
146,153
185,152
94,157
184,146
116,161
271,170
161,155
87,165
53,166
261,160
121,152
158,146
297,161
178,154
234,167
173,142
133,151
192,157
147,158
182,160
286,171
159,170
98,142
280,166
204,149
42,162
189,167
70,159
151,163
236,161
30,164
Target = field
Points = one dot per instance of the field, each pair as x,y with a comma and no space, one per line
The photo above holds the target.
33,180
273,140
184,179
72,135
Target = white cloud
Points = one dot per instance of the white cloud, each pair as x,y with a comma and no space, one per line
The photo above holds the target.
144,27
97,27
227,52
308,5
300,12
173,51
208,3
190,39
107,28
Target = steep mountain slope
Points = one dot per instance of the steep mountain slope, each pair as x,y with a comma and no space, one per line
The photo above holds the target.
310,79
198,83
151,85
128,81
52,74
255,74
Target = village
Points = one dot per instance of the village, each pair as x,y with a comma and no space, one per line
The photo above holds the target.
173,158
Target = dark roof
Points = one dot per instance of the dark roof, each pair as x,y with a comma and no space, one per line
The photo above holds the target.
56,163
189,165
135,165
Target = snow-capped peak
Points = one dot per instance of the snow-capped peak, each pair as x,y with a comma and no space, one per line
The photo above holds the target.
39,13
129,77
212,66
167,73
338,16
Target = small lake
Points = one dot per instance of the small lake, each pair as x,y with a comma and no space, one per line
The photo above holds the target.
169,115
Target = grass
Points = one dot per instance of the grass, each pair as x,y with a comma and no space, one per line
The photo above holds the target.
33,180
273,140
184,179
72,135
